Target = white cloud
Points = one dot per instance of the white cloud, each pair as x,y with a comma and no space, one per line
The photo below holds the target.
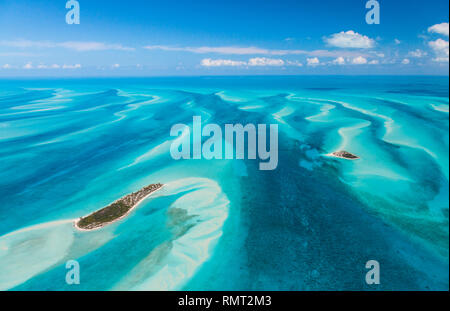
116,66
40,66
312,61
71,45
93,46
359,60
374,62
230,50
208,62
294,63
417,53
405,61
397,41
76,66
441,29
252,62
6,66
235,50
262,61
339,61
440,48
350,39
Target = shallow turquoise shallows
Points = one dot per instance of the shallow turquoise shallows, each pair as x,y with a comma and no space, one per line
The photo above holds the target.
70,147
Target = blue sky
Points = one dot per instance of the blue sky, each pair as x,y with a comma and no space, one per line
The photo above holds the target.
167,38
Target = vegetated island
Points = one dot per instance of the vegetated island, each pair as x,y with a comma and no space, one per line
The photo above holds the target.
344,155
116,210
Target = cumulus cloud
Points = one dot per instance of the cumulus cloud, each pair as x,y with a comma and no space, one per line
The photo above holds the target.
252,62
397,41
339,61
313,61
440,48
417,53
208,62
6,66
441,29
262,61
41,66
350,39
405,61
359,60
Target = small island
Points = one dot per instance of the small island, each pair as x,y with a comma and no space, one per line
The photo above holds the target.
344,155
116,210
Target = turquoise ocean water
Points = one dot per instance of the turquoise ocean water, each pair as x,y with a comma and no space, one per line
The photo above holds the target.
70,147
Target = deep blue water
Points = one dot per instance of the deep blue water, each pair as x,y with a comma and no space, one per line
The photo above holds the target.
70,147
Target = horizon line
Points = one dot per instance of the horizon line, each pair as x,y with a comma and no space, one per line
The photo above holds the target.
225,75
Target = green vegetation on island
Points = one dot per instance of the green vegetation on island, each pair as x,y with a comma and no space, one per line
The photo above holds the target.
116,210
